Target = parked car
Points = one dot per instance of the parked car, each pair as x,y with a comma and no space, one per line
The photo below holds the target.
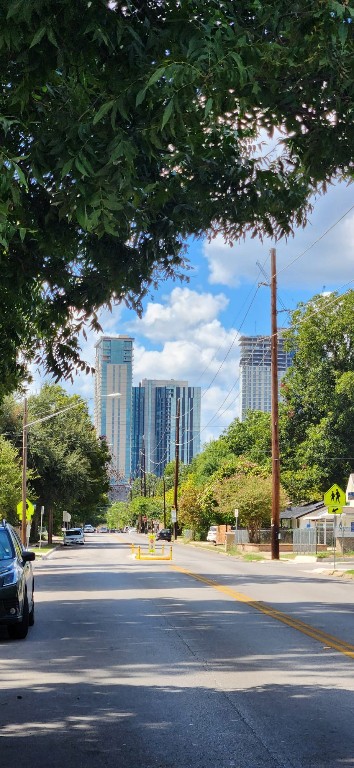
89,529
164,535
16,584
212,533
103,529
73,536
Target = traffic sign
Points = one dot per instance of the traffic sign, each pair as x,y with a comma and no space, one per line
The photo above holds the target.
334,500
29,510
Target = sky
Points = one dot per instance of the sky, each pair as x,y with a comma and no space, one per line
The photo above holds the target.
190,330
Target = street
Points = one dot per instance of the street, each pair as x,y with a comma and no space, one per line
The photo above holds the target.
203,661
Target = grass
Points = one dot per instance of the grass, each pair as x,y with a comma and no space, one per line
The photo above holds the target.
323,555
41,550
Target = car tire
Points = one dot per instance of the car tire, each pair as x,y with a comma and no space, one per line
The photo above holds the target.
31,614
19,631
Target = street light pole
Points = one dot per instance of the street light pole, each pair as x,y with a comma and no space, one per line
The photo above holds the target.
24,474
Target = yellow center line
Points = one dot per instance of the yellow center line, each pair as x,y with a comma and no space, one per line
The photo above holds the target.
301,626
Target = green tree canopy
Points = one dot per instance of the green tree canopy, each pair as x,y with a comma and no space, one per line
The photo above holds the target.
125,128
68,463
118,514
212,457
11,480
251,438
317,444
253,499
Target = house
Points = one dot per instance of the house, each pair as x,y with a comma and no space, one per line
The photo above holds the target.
304,515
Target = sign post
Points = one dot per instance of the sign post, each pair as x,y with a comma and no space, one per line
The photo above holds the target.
41,528
236,519
334,499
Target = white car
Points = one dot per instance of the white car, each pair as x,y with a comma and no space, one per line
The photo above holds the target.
89,529
73,536
212,533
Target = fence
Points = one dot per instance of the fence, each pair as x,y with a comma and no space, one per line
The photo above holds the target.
303,540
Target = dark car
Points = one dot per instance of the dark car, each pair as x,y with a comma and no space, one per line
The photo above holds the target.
163,535
16,584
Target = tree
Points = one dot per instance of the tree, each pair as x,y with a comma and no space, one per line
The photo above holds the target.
317,444
170,472
251,438
139,129
11,480
251,494
143,506
118,515
68,463
214,454
195,507
148,483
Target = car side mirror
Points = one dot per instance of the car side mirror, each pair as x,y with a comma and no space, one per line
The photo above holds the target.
28,556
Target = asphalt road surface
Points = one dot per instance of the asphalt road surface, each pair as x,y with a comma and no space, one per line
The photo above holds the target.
199,662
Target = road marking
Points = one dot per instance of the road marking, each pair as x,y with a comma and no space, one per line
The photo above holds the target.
316,634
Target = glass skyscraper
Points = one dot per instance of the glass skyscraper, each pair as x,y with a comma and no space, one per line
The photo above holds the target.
154,424
113,415
255,367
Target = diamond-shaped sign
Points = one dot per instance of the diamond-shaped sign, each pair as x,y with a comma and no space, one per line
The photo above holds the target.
335,499
29,510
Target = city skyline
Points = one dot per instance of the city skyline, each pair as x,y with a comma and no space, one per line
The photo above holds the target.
140,424
191,330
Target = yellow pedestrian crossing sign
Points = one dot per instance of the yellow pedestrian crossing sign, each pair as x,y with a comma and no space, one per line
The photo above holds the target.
29,510
335,500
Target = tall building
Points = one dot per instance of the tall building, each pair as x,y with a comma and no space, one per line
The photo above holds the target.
113,415
154,424
255,367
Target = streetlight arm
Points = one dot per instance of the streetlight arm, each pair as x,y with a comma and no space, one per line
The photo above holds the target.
51,415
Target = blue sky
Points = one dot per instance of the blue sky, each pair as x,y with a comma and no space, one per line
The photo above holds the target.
190,330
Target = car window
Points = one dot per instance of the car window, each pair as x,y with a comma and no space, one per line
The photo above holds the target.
74,532
6,552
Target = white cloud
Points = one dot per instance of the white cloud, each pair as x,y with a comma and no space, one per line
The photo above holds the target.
183,312
219,408
329,262
194,346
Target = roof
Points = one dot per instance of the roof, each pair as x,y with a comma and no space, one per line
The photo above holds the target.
293,513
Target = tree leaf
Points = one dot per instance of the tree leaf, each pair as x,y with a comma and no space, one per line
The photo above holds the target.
140,97
167,113
38,36
208,107
156,76
103,111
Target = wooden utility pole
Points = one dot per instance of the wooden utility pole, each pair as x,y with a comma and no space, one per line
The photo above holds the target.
164,502
175,494
275,522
